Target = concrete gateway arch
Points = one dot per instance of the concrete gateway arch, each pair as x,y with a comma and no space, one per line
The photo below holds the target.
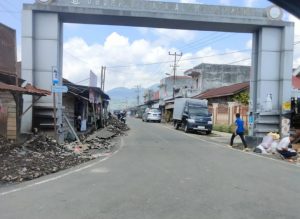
272,56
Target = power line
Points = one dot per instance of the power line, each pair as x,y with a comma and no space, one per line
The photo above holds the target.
210,41
197,41
82,81
3,6
187,59
10,12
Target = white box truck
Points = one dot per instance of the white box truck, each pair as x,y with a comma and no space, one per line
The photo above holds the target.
192,115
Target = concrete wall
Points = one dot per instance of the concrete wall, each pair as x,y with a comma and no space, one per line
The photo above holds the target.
214,75
167,84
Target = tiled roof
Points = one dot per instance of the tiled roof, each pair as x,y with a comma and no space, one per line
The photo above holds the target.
36,91
223,91
8,87
29,89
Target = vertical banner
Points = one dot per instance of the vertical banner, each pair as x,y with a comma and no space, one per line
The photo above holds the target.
93,83
93,79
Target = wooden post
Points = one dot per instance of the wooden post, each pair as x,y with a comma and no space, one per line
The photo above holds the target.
54,111
72,129
95,121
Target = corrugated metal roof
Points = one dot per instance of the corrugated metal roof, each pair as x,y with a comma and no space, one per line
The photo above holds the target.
223,91
83,90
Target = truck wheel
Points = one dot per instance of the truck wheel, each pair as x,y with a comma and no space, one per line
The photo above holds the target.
186,130
208,132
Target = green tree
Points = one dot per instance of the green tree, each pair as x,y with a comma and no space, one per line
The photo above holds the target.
242,97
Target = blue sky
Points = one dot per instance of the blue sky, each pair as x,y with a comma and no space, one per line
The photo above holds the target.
91,46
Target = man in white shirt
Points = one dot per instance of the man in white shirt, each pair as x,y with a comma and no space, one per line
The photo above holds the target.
283,147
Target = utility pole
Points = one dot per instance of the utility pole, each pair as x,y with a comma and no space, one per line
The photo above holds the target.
138,87
174,69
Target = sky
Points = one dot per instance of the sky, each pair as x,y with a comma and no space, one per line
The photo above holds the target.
140,56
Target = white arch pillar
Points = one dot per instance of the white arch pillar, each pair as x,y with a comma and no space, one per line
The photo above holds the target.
42,50
272,42
272,62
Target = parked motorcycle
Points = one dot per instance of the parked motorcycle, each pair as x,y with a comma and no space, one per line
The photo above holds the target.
123,119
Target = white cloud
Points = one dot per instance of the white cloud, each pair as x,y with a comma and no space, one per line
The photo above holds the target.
117,50
80,57
250,3
167,36
249,44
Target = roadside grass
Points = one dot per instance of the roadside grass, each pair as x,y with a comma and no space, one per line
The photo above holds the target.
226,128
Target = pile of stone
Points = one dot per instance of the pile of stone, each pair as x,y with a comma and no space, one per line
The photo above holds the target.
116,126
94,145
37,157
41,155
5,145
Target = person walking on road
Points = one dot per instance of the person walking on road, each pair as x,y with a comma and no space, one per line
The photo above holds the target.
239,130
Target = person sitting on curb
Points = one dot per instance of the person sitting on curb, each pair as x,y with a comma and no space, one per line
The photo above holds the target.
239,130
284,147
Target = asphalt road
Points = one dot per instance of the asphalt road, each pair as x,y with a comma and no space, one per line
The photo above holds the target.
162,173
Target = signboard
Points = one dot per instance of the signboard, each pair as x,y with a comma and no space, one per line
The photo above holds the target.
286,106
59,89
94,96
55,76
8,57
93,79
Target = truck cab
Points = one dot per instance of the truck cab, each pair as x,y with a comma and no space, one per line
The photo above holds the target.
192,115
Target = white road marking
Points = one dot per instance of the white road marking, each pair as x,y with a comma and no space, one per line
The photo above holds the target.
109,155
230,148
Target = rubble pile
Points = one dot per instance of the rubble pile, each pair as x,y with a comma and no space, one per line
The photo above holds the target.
91,147
116,126
41,155
5,145
37,157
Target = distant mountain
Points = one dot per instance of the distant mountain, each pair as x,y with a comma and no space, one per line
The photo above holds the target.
122,97
122,92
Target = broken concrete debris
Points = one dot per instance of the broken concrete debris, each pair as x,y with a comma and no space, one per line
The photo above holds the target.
41,155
